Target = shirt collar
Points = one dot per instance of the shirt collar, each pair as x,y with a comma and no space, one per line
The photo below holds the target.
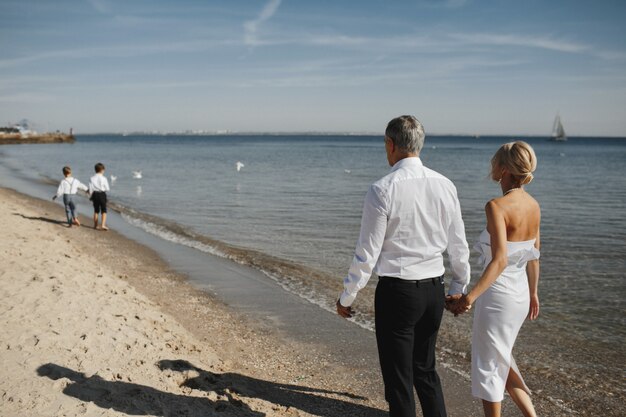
411,161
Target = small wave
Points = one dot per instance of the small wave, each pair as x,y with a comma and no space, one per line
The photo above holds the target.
170,236
359,319
560,404
310,285
456,370
289,274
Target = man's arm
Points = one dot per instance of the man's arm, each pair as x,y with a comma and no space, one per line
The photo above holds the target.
458,251
373,229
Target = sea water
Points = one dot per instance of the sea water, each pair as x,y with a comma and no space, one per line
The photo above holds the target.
293,210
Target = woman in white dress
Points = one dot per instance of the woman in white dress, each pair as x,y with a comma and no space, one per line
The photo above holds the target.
506,293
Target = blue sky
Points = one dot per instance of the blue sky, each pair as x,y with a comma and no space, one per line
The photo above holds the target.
460,66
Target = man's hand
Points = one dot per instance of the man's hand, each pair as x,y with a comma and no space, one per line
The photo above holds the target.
345,312
458,304
451,300
462,305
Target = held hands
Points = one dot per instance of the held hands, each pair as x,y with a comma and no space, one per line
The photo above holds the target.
345,312
457,304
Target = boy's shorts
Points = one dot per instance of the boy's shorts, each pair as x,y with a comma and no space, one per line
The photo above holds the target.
99,199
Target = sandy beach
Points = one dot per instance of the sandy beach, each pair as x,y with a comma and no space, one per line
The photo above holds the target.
79,339
94,323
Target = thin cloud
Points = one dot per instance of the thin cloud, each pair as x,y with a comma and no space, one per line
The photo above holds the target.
251,26
120,51
102,6
445,4
25,97
516,40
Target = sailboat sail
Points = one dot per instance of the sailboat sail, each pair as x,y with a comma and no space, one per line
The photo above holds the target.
558,133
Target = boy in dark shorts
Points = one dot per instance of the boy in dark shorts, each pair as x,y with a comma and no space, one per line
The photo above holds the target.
98,187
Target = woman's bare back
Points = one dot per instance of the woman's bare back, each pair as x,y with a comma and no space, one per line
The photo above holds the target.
522,215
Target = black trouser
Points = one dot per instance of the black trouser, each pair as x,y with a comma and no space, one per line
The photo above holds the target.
408,315
99,200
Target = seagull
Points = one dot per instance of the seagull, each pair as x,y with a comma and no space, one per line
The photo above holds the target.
113,178
239,165
347,171
137,175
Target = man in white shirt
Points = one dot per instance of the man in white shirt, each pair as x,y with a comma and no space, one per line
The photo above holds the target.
410,217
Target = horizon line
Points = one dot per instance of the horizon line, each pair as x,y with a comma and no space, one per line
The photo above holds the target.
326,133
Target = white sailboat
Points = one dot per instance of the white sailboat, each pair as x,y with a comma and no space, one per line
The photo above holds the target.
558,133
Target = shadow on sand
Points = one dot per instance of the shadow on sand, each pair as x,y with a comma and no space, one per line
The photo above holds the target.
42,219
135,399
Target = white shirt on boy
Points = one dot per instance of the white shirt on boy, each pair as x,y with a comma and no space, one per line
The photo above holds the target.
70,185
98,183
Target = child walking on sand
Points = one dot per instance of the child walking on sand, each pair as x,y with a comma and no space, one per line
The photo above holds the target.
68,187
98,187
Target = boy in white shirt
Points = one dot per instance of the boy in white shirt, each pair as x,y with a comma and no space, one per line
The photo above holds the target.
68,188
98,187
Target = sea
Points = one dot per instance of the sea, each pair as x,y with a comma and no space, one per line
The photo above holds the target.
290,206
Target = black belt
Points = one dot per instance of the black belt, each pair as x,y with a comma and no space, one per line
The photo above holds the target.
418,282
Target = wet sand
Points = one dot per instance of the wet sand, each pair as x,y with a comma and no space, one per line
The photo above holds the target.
94,323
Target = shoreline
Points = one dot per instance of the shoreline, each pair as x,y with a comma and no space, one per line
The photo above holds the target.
255,347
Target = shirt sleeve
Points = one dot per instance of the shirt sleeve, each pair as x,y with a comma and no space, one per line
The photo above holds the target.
60,190
105,184
82,186
458,251
371,238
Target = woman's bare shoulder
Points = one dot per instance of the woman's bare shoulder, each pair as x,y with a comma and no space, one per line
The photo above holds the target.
533,203
494,205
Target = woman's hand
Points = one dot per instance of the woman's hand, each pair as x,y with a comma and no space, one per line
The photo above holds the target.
459,305
464,305
533,311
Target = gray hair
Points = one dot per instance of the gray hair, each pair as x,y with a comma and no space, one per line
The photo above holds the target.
407,133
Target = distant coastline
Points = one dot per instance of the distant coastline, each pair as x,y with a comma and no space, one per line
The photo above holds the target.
17,138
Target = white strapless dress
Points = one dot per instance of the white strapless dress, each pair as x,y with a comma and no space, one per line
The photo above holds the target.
498,316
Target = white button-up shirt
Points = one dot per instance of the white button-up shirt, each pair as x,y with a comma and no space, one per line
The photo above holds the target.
70,185
98,183
410,217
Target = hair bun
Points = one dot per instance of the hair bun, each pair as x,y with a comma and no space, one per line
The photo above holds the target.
527,178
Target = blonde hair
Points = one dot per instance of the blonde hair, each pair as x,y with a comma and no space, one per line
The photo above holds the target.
518,158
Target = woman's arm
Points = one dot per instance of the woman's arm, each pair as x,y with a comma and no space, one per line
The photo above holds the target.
532,270
496,226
